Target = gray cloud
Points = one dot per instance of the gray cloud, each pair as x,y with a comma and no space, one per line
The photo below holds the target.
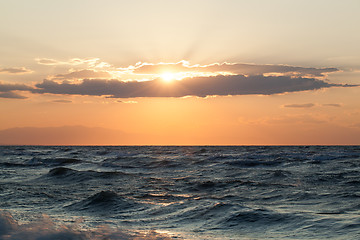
5,87
6,90
15,70
331,105
305,105
309,105
84,74
236,68
198,86
11,95
62,101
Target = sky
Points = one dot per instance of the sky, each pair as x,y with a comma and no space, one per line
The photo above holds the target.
171,72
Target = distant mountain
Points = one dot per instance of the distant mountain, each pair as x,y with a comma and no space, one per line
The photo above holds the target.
67,135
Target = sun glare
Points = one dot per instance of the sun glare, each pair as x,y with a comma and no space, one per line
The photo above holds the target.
168,77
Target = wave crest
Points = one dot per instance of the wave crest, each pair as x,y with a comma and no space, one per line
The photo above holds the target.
47,229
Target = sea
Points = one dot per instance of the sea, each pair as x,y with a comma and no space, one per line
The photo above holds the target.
179,192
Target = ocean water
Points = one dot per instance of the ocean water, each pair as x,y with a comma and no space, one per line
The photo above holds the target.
113,192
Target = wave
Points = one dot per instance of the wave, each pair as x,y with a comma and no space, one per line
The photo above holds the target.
69,174
220,191
254,163
36,161
12,165
107,201
45,228
262,217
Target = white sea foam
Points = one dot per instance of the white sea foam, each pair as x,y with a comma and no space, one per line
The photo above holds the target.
46,228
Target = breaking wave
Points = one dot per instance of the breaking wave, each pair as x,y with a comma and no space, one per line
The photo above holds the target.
44,228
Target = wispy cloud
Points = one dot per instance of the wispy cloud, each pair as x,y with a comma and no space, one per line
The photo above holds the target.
15,70
233,68
127,102
62,101
304,105
310,105
89,74
331,105
296,119
92,62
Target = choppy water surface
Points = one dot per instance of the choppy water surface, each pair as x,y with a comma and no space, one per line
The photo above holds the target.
180,192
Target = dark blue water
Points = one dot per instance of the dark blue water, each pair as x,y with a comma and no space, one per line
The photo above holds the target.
304,192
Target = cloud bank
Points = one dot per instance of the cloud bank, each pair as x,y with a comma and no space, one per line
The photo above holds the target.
198,86
218,79
234,68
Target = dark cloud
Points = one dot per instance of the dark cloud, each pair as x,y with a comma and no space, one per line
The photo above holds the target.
198,86
235,68
5,87
6,90
305,105
15,70
84,74
11,95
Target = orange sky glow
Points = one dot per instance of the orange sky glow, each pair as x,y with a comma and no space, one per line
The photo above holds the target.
135,79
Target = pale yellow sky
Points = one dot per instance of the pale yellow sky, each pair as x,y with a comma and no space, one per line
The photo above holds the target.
245,72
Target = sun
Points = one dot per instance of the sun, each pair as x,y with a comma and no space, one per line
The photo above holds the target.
168,77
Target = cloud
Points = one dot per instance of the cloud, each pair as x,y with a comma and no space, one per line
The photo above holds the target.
62,101
309,105
73,61
11,95
93,62
234,68
15,70
47,61
305,105
6,90
197,86
331,105
5,87
225,79
128,102
84,74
